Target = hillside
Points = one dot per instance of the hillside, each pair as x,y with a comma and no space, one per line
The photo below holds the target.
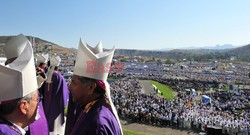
176,53
242,53
38,42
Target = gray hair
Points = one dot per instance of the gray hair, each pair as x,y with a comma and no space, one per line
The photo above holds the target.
8,108
28,97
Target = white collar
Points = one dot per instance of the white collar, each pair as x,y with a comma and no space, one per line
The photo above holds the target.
23,132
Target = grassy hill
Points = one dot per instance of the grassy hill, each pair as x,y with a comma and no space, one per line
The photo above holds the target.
38,42
243,53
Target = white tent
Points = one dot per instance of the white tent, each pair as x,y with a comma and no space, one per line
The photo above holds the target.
206,99
193,92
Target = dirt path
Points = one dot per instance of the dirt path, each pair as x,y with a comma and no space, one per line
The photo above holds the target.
152,130
146,86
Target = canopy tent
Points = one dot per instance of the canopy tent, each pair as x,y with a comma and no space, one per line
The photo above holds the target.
206,99
193,92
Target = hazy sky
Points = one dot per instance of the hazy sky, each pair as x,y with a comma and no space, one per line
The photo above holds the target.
133,24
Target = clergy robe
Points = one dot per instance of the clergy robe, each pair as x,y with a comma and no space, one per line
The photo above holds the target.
98,120
55,99
7,128
73,112
40,126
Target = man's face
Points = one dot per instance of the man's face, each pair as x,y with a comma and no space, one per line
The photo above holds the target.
42,66
33,107
80,91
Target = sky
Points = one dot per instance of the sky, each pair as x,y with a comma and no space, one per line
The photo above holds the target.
129,24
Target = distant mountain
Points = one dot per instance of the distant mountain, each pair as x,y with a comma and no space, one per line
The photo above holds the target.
242,53
220,47
158,54
165,49
217,47
38,42
216,52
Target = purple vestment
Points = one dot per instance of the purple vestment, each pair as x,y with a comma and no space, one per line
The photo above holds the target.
40,126
55,99
73,112
99,120
7,128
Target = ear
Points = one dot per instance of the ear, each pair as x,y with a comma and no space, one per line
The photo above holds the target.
91,88
23,107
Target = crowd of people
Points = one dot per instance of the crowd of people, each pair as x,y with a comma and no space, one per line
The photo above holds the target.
22,110
177,84
221,72
210,72
184,111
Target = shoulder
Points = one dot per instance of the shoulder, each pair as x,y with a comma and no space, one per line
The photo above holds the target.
6,130
100,120
3,127
106,122
103,111
58,76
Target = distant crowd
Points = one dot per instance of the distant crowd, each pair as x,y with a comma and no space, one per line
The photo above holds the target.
210,72
228,111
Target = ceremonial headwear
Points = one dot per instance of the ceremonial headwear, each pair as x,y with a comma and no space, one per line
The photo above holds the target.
18,78
92,62
15,46
42,58
100,61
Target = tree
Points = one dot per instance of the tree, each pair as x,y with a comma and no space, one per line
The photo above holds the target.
168,61
158,60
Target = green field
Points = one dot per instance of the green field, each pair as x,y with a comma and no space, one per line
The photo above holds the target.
127,132
166,90
226,88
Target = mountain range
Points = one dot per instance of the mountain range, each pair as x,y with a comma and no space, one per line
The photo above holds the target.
217,52
216,47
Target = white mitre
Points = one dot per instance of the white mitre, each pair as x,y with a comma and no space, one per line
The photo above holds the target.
55,60
85,55
18,78
15,46
42,58
97,49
